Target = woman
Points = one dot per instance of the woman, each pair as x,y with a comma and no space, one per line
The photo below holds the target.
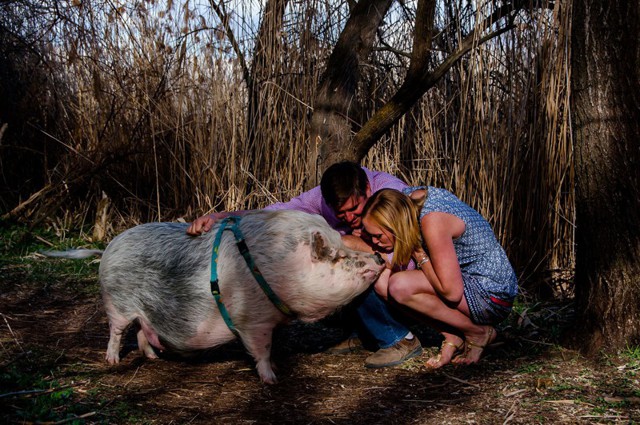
463,283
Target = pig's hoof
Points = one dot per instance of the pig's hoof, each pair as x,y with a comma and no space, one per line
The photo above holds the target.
112,358
271,380
149,353
267,376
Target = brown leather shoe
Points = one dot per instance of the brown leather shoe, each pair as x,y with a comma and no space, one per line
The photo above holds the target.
402,351
349,345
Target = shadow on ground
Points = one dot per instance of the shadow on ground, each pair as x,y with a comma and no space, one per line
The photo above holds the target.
53,340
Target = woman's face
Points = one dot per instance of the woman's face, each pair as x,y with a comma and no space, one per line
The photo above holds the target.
379,236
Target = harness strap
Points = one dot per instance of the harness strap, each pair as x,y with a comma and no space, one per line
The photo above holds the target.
233,223
244,250
215,288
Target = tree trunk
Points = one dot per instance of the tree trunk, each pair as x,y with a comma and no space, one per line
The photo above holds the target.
331,128
606,122
331,125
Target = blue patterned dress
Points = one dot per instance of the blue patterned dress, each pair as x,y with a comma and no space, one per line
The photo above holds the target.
490,284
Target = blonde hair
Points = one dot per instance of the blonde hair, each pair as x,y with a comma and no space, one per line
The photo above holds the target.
399,215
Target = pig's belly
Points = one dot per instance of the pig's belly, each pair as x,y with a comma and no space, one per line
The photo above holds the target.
211,332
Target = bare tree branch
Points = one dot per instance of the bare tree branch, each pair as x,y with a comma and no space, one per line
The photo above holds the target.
418,81
225,18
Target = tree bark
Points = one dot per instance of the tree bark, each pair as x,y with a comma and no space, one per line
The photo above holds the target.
605,100
331,126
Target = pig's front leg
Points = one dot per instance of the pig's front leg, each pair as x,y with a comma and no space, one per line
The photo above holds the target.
258,340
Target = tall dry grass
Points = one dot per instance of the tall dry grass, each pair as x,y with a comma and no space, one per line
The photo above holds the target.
496,132
153,105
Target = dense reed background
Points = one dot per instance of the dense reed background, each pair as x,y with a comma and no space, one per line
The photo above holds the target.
124,112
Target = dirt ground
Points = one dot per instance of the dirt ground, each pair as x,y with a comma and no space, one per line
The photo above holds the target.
54,333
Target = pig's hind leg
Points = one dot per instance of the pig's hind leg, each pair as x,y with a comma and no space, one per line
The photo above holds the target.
146,333
117,325
258,342
144,346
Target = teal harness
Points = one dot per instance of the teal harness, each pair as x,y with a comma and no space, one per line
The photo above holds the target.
233,223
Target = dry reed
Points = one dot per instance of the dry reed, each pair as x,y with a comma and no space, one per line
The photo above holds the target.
154,110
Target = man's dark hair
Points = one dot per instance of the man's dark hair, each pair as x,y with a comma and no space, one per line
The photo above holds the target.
341,181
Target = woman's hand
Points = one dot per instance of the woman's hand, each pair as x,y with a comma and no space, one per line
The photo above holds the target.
420,257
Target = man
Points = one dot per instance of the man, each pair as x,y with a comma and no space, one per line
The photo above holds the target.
340,198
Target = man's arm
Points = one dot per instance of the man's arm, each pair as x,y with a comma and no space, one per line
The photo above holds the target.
309,202
354,242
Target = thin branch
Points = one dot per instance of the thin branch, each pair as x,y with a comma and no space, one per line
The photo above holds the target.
224,18
417,83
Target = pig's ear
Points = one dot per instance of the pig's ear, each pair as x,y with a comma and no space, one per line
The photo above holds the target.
320,249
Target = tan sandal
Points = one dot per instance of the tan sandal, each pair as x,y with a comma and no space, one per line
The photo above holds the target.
458,349
471,344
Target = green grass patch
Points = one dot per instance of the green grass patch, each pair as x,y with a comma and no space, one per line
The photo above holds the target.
19,261
32,392
39,387
530,368
632,355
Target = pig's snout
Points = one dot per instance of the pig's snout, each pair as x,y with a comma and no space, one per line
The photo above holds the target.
372,270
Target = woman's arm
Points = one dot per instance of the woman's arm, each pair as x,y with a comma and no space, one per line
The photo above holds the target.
442,268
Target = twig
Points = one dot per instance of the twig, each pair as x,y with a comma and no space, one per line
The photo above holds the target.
43,240
511,413
192,419
2,130
64,421
538,342
16,358
203,382
624,418
11,331
462,381
29,393
568,402
515,392
132,378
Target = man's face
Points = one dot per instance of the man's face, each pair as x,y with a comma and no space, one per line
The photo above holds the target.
351,211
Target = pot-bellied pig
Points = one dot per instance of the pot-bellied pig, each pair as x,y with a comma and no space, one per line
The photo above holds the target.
158,276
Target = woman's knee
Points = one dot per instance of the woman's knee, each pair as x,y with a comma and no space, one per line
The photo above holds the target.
399,288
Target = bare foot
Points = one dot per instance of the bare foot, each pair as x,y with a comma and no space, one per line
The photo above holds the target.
475,346
451,346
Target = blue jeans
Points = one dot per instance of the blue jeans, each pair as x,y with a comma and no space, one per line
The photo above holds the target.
377,322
